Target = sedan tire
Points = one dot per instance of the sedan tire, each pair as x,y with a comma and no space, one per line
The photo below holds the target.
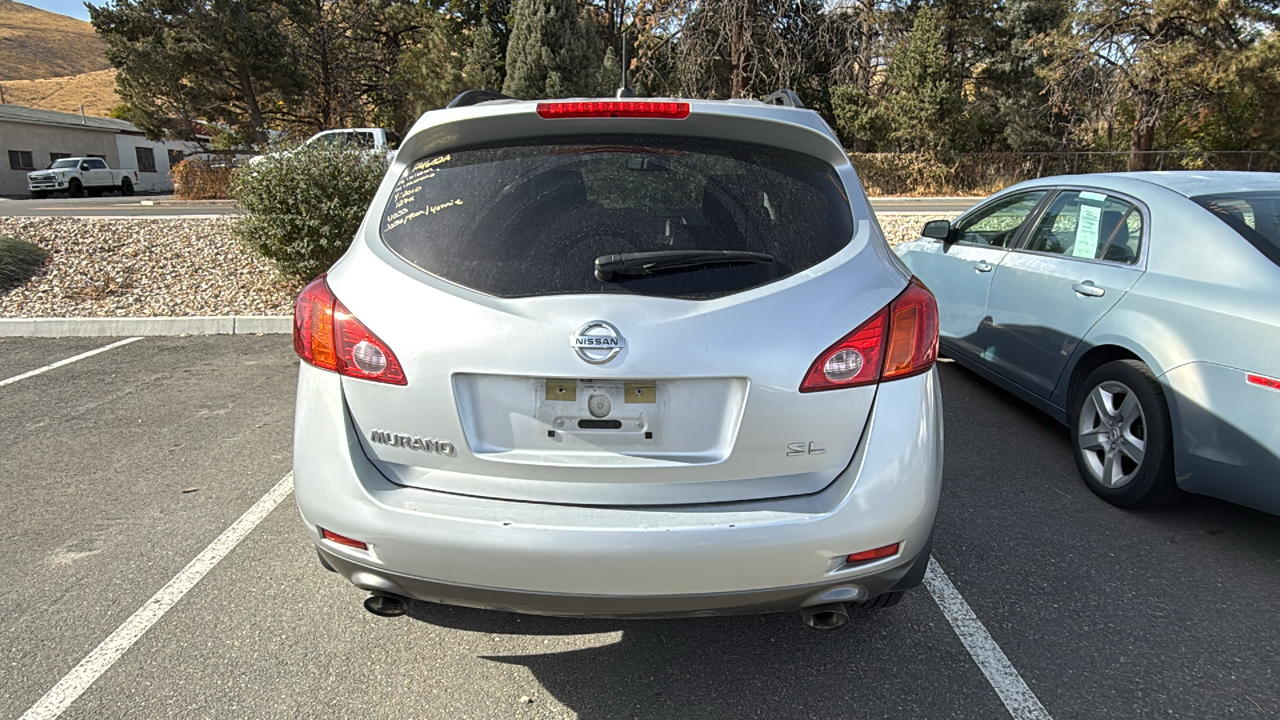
1121,436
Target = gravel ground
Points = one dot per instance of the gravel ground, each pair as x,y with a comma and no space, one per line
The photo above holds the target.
180,267
140,268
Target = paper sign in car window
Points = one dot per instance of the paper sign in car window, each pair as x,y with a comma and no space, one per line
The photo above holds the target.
1087,232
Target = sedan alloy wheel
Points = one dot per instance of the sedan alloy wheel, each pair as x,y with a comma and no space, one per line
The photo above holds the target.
1113,434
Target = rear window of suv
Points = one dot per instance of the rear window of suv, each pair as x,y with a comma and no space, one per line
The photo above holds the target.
530,218
1255,215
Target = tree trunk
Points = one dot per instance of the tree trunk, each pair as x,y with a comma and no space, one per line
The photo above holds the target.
740,48
251,104
327,90
1141,138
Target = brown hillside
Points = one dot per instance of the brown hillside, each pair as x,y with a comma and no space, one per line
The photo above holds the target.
95,90
35,44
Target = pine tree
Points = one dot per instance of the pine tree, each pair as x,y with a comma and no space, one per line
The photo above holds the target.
181,60
483,70
924,104
551,52
610,74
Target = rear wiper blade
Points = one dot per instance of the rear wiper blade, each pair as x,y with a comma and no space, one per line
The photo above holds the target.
648,263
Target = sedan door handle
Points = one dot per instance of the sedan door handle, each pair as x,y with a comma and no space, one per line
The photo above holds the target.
982,267
1089,289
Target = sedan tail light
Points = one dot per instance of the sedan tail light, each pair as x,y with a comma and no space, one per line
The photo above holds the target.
328,336
1265,382
899,341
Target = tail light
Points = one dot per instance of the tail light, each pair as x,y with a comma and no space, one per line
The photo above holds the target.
328,336
899,341
614,108
1265,382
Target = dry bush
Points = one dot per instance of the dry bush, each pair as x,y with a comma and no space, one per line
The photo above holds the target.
197,179
941,174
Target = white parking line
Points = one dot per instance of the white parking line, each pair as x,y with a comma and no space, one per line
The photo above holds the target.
1020,701
1004,678
97,662
68,361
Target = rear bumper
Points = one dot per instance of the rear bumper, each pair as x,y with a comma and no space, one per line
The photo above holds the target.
654,561
901,577
1228,440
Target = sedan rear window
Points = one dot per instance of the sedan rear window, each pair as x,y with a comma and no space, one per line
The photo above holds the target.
1256,216
532,218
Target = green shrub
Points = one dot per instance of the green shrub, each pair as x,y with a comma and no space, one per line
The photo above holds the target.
300,208
19,261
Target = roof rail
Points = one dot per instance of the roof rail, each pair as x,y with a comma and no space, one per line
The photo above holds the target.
785,98
474,97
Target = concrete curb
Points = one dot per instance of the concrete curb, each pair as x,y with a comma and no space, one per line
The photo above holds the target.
146,326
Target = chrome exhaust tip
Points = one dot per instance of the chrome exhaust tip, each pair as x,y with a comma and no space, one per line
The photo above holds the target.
386,605
825,618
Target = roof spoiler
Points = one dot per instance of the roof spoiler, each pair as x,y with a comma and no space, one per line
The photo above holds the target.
783,97
475,97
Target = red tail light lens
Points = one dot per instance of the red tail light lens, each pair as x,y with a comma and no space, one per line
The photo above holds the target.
853,361
913,332
1265,382
614,108
328,336
313,325
899,341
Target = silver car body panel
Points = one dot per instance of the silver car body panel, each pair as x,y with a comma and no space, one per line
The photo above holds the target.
720,504
888,494
518,343
1202,310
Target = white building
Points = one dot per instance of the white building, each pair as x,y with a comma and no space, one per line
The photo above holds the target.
32,139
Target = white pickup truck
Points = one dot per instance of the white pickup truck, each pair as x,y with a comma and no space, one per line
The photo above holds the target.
375,140
79,175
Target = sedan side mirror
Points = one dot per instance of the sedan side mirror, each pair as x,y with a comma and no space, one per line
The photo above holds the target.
937,230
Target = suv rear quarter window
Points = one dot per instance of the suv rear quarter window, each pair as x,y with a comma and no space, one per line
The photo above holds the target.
530,218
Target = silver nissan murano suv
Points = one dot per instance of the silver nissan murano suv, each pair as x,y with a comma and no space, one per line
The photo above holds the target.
620,358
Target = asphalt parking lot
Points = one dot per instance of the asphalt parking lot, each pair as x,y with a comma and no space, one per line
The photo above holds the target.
119,469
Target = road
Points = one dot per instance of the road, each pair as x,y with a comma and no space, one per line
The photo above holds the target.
112,206
118,469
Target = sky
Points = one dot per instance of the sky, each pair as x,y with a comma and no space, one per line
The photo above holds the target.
74,8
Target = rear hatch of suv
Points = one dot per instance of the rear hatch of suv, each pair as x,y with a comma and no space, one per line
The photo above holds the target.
615,310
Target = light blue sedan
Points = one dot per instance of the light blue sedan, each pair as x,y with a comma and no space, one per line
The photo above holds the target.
1141,309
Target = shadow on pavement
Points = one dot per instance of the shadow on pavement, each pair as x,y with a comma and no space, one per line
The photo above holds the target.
968,400
745,666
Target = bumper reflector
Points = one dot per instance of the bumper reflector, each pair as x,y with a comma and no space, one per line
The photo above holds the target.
882,552
342,539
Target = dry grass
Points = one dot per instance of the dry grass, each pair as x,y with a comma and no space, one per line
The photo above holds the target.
36,44
96,91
